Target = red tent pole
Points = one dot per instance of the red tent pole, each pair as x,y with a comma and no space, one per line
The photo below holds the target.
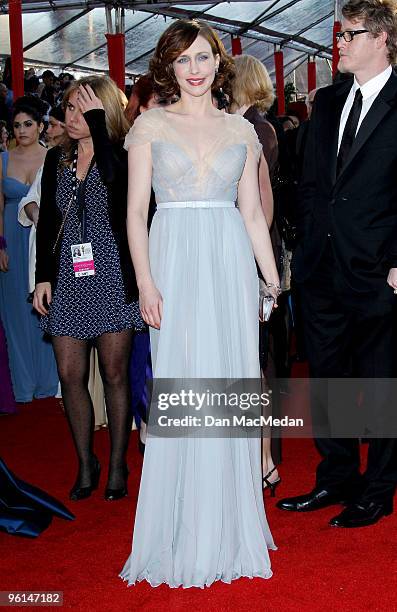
116,58
236,45
311,75
335,50
16,45
279,67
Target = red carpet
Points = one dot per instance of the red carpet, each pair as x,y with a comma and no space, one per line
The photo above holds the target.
316,567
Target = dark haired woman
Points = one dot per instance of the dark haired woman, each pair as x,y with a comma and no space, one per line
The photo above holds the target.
56,126
28,208
85,283
200,514
31,357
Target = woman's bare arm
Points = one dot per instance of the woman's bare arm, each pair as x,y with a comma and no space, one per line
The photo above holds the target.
255,222
139,189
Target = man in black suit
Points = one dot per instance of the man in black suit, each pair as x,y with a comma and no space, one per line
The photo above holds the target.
346,259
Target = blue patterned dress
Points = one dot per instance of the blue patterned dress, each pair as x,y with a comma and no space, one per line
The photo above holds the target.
89,306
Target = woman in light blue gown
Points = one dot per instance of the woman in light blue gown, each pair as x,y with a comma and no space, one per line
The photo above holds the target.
200,514
31,358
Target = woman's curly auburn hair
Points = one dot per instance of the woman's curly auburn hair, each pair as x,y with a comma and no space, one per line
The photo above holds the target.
175,40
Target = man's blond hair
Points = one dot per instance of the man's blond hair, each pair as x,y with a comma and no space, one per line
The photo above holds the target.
377,16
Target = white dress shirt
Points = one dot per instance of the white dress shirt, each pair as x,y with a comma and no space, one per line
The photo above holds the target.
369,91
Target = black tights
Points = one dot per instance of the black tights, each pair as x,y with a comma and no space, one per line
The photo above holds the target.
72,357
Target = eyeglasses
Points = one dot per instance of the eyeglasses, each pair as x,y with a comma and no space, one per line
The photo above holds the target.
348,35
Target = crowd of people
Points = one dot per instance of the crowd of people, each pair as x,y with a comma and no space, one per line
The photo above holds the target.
118,216
48,87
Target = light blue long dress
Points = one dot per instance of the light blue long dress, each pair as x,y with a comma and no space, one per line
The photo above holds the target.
31,358
200,515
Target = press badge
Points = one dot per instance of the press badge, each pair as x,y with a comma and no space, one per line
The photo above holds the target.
83,259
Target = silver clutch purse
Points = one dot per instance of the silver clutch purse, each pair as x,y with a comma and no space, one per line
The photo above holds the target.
266,301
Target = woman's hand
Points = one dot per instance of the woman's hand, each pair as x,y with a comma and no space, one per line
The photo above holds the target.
274,291
274,305
151,305
32,212
3,260
87,100
42,297
270,290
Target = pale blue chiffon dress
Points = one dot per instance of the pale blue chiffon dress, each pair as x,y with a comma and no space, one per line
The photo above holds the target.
200,515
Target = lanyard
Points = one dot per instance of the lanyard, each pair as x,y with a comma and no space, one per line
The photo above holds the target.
78,192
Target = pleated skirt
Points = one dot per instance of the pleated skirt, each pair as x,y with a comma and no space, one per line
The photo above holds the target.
200,515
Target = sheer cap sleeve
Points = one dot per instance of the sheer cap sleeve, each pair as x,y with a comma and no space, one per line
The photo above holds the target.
244,132
251,139
143,131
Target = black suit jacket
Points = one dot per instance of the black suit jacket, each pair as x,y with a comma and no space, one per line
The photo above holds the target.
112,163
359,207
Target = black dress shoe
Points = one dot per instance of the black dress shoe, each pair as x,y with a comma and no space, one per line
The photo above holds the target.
362,514
317,499
115,494
77,493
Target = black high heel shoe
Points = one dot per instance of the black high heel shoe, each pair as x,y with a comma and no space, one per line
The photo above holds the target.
115,494
77,493
272,485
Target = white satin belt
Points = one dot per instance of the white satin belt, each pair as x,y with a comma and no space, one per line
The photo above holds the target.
197,204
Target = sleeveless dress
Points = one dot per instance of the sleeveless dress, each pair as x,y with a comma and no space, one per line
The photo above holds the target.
32,362
200,515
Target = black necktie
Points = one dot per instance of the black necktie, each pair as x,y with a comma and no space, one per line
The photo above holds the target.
349,132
